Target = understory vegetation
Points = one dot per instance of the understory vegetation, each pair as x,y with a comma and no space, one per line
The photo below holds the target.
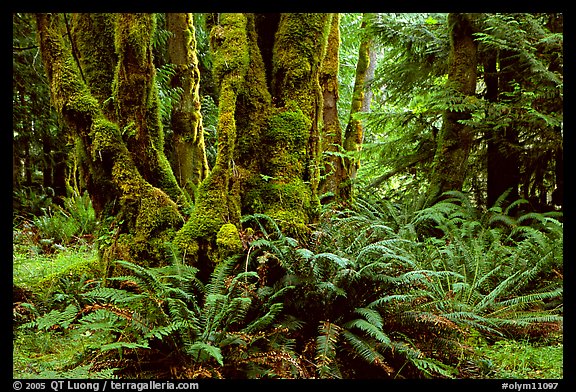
378,290
288,196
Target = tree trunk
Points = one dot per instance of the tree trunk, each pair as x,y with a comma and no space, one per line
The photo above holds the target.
136,98
146,216
333,172
454,138
503,163
270,108
354,133
190,164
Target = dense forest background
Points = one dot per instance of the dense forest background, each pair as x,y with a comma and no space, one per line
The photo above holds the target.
288,195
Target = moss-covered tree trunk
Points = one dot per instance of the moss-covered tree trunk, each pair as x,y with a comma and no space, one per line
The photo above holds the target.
270,111
190,164
454,139
137,104
217,210
146,216
333,173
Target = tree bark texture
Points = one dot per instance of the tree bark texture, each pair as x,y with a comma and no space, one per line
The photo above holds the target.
354,132
454,138
191,165
146,216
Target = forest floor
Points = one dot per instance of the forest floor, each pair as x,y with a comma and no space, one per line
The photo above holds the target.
53,353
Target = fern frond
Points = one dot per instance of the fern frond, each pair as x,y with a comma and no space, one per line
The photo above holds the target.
112,295
326,350
55,318
203,352
148,278
369,329
364,349
265,320
123,345
433,367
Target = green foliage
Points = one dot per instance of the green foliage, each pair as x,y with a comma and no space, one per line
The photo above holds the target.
203,324
512,359
348,288
61,226
28,203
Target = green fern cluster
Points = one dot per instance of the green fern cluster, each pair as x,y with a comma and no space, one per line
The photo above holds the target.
379,291
168,312
341,300
435,274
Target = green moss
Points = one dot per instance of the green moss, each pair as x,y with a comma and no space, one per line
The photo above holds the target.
97,56
288,126
300,46
228,240
83,267
210,213
231,57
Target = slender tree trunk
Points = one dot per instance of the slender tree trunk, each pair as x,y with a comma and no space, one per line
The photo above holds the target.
333,169
454,138
354,133
190,164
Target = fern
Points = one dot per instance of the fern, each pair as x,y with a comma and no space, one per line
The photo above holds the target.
54,319
326,343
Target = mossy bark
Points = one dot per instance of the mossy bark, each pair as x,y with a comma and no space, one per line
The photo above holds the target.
147,214
218,198
136,99
333,173
190,164
97,57
270,115
454,138
293,133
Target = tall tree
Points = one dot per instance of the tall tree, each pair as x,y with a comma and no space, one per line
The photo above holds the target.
503,169
191,164
524,121
361,98
333,173
454,140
